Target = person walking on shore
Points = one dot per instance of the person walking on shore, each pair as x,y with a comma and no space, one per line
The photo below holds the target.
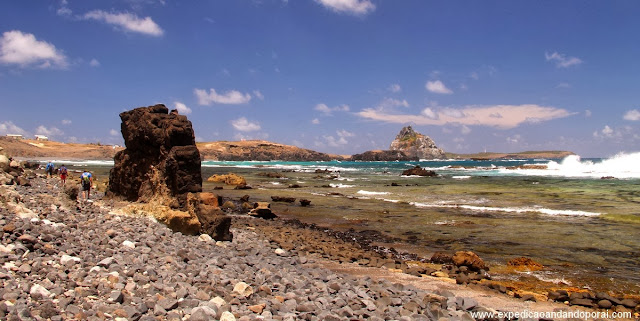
87,180
49,169
63,174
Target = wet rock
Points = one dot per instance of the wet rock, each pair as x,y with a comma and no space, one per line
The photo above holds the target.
605,304
283,199
525,263
419,171
305,202
582,302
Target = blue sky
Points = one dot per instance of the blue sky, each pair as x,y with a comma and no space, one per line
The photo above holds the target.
338,76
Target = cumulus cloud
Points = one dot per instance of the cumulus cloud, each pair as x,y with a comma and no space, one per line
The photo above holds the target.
258,94
8,127
94,63
232,97
127,22
562,61
395,88
182,108
514,139
315,121
244,125
66,121
323,108
52,131
354,7
437,87
340,139
114,132
633,115
390,104
587,113
24,50
510,116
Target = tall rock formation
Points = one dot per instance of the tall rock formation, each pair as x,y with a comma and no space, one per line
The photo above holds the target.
161,160
414,144
161,169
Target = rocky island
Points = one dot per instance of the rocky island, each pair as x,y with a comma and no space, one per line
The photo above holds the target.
408,145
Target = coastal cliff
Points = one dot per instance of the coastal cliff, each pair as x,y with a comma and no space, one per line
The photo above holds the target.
257,150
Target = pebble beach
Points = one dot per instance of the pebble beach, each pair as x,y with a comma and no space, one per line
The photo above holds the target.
64,259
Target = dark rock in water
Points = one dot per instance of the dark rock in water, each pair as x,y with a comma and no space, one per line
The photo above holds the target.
243,186
283,199
382,156
419,171
161,159
305,202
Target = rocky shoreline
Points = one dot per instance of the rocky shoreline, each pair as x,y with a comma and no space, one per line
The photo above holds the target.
63,260
66,260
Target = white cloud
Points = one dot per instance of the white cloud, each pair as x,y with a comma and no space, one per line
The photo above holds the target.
25,50
9,127
182,108
390,104
315,121
340,140
587,113
64,11
465,130
52,131
258,94
562,61
633,115
243,125
94,63
514,139
607,131
114,132
323,108
127,21
66,121
563,85
355,7
437,87
395,88
499,116
232,97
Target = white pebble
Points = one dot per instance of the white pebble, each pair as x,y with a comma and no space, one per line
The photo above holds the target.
129,244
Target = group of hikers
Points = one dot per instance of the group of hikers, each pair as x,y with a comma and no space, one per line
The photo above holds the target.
86,178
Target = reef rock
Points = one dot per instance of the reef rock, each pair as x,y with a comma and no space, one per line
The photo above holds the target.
161,160
416,145
382,156
419,171
229,179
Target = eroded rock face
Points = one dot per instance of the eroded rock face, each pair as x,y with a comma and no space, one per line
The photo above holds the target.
161,160
414,144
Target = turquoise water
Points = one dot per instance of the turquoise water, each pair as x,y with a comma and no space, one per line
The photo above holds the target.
558,212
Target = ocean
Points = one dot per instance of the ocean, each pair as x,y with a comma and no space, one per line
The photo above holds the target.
578,217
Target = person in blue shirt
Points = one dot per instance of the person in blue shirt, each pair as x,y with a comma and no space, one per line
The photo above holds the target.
49,169
87,181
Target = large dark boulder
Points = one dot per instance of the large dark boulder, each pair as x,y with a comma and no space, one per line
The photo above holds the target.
161,160
383,156
419,171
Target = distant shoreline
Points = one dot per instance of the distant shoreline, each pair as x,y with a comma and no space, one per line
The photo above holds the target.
222,151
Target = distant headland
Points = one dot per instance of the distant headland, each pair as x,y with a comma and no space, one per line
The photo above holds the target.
408,146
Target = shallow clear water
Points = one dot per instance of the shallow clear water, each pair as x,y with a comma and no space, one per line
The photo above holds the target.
584,228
